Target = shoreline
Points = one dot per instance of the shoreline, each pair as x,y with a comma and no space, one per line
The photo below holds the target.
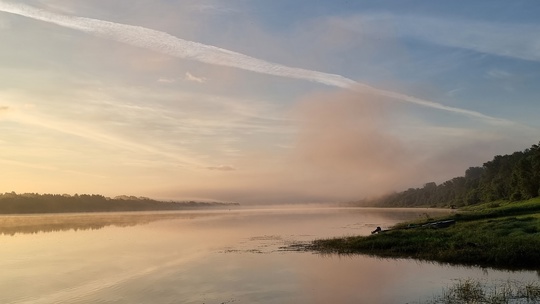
506,236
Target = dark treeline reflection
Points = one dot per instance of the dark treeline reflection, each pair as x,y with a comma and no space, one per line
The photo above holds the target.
13,203
29,224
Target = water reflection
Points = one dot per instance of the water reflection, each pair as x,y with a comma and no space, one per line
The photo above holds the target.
13,224
29,224
216,257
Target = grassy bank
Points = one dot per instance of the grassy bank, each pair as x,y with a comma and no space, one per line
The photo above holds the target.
501,235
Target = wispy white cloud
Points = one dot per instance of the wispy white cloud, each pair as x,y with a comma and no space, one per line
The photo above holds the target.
222,168
190,77
499,74
172,131
53,120
166,80
434,105
502,39
105,138
180,48
59,6
454,92
174,46
212,8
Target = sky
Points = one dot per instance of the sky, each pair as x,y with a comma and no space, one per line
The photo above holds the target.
262,102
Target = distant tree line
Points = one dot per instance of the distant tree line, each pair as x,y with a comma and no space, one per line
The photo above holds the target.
13,203
510,177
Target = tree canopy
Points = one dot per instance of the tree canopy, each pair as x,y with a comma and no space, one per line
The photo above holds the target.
13,203
510,177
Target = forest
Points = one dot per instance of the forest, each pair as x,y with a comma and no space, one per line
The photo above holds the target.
510,177
13,203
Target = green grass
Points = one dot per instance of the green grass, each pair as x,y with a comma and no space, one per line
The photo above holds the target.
504,236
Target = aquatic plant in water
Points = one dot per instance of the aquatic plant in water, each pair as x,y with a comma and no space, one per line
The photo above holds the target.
472,292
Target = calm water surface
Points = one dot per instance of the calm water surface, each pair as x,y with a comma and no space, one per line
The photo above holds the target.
229,256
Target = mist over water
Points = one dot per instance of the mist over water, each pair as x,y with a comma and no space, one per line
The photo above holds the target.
228,256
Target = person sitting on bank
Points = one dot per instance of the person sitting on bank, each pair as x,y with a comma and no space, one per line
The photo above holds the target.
376,230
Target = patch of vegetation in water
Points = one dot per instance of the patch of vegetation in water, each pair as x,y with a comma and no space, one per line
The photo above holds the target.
471,291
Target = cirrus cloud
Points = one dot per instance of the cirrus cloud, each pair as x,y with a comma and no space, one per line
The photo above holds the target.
191,77
170,45
222,168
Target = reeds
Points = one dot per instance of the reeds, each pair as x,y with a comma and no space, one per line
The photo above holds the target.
470,291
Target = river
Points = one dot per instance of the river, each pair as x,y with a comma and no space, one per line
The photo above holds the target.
214,256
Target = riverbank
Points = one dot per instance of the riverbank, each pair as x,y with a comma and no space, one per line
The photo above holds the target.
501,235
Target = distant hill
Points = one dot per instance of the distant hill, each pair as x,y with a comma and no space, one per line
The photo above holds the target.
13,203
510,177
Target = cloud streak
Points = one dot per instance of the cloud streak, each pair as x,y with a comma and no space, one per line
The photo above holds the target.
190,77
502,39
222,168
167,44
96,135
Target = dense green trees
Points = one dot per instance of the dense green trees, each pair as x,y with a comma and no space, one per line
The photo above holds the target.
12,203
509,177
